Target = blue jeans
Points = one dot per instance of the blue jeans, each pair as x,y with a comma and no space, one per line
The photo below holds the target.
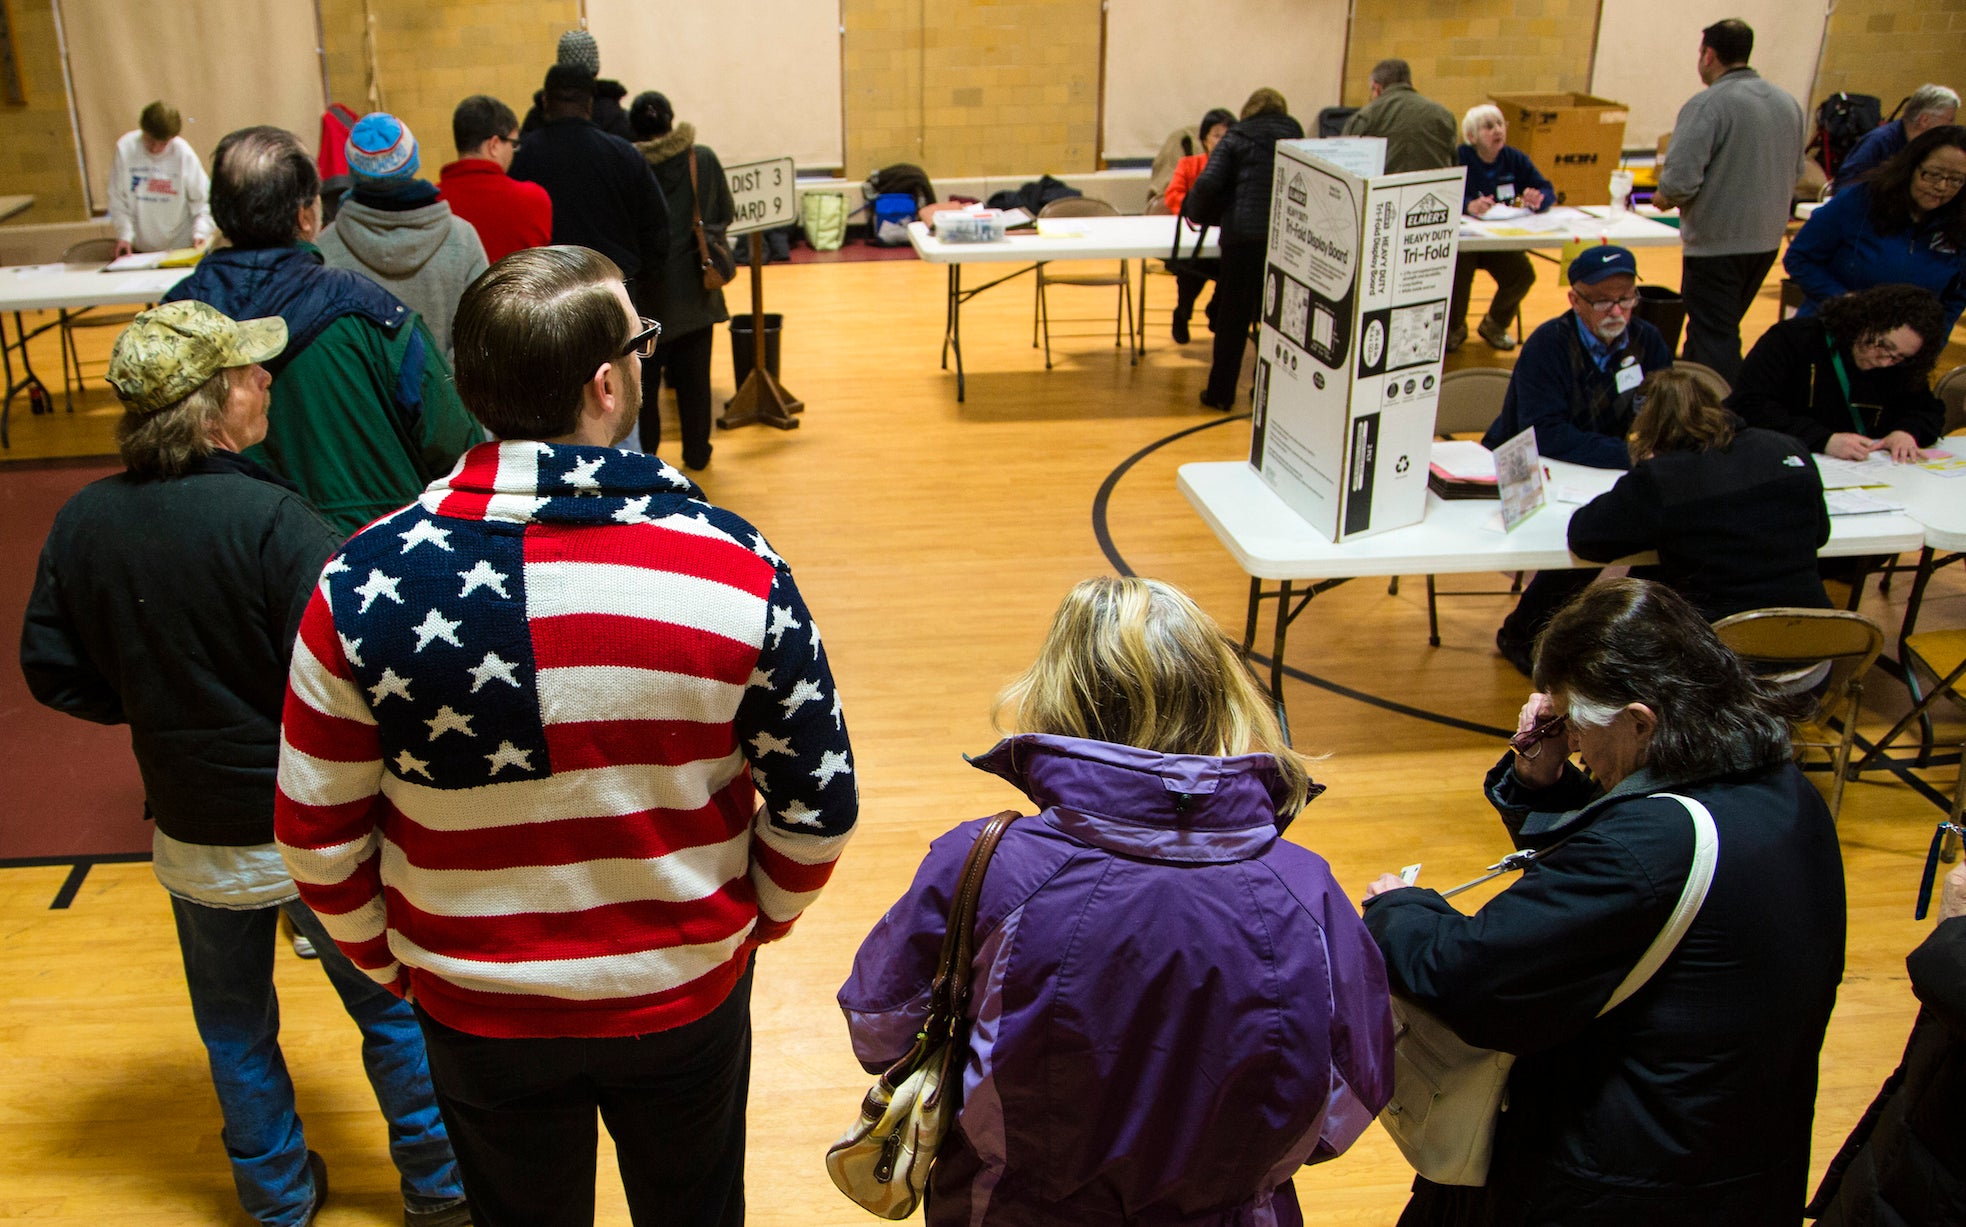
228,966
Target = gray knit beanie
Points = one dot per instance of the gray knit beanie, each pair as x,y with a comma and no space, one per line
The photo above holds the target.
577,47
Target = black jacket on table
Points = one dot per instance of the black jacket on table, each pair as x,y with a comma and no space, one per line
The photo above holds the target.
604,195
171,606
1788,383
1736,527
1233,189
1691,1102
1904,1164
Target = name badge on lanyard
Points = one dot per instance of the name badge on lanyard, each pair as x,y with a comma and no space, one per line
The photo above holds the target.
1629,376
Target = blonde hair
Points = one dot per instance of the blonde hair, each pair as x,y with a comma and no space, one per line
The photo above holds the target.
166,443
1265,101
1136,662
1479,117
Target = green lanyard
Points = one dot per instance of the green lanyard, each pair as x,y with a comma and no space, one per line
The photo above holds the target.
1843,381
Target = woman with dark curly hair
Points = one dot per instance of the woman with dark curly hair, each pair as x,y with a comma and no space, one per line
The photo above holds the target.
1851,378
1904,222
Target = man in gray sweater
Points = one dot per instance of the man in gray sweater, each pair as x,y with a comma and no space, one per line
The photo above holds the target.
395,230
1731,168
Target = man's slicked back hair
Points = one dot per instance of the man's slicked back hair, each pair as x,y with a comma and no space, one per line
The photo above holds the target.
478,119
261,179
530,333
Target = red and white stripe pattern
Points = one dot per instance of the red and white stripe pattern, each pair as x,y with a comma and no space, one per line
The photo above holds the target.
565,844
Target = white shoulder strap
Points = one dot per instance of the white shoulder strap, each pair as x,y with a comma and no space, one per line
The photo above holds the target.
1706,853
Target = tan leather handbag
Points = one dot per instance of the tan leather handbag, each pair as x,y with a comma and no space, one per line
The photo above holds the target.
1447,1093
882,1160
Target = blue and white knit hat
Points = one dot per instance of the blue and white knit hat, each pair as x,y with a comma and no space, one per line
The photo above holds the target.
382,148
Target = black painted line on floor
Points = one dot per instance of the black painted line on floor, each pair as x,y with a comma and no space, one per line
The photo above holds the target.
71,886
1103,533
78,870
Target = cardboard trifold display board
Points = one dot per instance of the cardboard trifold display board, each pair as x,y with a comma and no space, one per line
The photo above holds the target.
1354,322
1574,139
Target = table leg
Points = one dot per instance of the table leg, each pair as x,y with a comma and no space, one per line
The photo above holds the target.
1276,647
1249,623
28,379
952,336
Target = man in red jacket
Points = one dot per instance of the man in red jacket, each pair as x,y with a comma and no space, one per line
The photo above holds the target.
509,214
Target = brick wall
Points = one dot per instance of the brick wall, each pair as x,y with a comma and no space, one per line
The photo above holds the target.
1464,50
432,55
1891,47
37,145
980,88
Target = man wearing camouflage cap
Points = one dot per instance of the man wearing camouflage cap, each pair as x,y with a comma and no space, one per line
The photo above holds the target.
167,599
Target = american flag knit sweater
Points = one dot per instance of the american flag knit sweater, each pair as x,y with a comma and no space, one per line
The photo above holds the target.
524,725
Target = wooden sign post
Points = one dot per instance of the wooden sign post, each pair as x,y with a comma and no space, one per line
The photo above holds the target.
763,192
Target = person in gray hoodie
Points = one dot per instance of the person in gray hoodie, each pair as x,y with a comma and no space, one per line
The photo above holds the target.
394,229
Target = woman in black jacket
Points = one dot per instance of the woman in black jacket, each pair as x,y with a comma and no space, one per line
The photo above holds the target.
687,312
1690,1103
1852,378
1233,192
1736,515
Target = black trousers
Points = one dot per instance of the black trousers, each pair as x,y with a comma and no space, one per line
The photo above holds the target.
1541,597
521,1116
1718,291
1513,274
685,362
1238,291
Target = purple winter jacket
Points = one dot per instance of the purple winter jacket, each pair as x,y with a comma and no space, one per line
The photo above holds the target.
1174,1009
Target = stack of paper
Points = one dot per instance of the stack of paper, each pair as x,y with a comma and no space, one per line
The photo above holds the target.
1853,503
1461,468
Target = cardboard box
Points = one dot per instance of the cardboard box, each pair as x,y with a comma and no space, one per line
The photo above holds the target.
1574,139
1354,311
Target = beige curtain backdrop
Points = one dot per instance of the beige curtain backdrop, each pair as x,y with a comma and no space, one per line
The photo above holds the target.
758,78
1646,50
224,64
1168,61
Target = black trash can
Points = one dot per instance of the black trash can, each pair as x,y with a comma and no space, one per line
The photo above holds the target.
743,348
1665,310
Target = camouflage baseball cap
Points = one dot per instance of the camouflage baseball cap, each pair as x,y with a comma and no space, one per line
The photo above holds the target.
168,351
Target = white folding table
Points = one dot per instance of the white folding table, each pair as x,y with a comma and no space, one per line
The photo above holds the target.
48,287
1273,543
1144,238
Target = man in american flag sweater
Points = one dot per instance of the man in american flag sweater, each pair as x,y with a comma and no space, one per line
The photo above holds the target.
560,749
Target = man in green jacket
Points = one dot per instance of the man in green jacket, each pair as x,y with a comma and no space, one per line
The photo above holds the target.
1420,133
366,414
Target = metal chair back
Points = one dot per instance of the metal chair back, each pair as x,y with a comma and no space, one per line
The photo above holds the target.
1789,648
1952,390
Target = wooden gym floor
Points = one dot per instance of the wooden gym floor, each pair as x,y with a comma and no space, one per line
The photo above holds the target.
932,541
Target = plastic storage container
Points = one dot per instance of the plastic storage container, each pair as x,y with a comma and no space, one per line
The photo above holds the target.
952,226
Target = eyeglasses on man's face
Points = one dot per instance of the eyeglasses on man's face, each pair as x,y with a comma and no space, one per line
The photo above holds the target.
643,343
1944,180
1601,305
1883,351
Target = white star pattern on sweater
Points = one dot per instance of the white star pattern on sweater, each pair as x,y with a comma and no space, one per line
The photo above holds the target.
391,682
839,722
804,692
351,649
377,585
764,551
407,762
765,743
336,566
482,576
802,814
491,667
831,763
759,677
448,720
509,755
581,475
436,626
635,511
425,530
781,621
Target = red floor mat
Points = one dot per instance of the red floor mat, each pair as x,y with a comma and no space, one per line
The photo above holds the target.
67,787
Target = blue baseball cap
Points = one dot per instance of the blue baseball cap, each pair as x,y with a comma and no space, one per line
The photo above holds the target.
1597,263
